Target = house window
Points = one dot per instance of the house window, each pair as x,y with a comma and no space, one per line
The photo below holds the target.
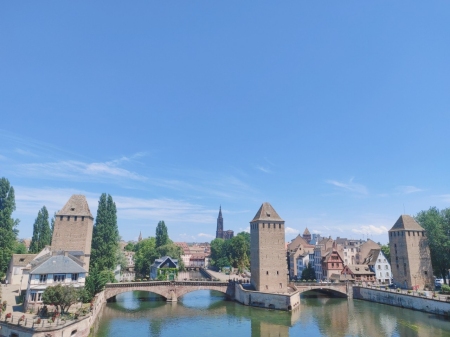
379,267
33,297
39,297
386,267
74,277
59,277
43,278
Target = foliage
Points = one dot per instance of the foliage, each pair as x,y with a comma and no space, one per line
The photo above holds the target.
386,249
105,238
61,296
130,247
163,273
42,235
8,231
308,273
445,289
52,226
233,252
162,237
121,259
145,255
96,280
20,248
437,225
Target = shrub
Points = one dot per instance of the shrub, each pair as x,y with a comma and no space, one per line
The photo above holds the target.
445,289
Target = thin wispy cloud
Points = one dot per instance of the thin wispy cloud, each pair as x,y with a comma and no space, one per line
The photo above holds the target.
204,235
290,230
407,189
263,169
370,230
349,186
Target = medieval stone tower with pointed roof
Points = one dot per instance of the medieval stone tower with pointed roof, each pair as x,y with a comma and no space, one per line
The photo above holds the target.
268,253
307,235
73,229
410,254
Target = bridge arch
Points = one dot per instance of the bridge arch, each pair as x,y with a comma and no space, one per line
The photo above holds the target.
326,291
110,294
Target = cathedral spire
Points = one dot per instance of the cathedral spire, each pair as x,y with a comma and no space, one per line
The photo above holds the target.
220,211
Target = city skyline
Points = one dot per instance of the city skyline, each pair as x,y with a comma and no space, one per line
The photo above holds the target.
337,115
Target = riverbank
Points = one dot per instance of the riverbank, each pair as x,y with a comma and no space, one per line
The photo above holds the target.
420,301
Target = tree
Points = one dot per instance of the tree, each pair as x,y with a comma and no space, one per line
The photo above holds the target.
437,225
129,247
8,231
240,251
105,238
145,255
61,296
387,252
20,248
96,280
162,238
52,226
42,235
308,273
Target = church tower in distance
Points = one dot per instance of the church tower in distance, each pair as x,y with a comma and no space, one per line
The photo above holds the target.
73,229
219,230
268,254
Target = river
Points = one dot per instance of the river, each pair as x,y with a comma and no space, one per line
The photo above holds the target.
207,313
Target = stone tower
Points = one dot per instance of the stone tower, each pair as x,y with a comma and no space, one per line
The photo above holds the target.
219,230
268,253
307,235
73,229
410,254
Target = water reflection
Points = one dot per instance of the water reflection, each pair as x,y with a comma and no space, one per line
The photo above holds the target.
206,313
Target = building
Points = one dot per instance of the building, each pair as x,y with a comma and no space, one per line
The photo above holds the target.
268,255
410,254
358,273
52,269
298,254
73,228
161,263
220,233
332,263
307,235
378,263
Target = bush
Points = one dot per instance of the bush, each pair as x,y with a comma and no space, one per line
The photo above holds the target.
445,289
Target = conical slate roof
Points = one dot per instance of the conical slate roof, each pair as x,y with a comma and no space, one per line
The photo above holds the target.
306,232
267,213
406,222
77,205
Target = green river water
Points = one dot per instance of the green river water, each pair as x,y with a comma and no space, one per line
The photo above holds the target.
207,313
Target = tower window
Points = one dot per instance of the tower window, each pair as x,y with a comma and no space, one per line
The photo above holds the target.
75,218
268,225
61,217
267,272
82,218
68,218
279,225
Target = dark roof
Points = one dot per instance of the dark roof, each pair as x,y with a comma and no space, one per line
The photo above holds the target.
372,257
306,232
406,222
77,205
58,264
162,260
267,213
359,269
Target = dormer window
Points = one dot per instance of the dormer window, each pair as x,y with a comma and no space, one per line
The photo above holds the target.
268,215
72,209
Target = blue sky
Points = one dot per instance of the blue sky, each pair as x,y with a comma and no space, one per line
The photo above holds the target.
337,113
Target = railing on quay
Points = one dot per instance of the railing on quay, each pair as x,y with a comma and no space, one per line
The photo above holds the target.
429,294
37,322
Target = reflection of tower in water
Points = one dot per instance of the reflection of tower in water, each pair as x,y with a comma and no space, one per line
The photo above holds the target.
264,329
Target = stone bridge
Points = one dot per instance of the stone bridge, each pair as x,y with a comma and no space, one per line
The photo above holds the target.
332,289
170,290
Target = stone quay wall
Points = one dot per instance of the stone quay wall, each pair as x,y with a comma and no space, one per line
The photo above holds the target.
287,302
403,300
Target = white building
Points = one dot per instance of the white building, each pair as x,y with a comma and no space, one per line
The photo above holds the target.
51,270
378,263
302,263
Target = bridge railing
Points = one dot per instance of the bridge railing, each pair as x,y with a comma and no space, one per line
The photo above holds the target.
164,283
317,284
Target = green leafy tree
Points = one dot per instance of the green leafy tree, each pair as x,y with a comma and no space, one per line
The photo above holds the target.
239,249
308,273
97,280
129,247
42,235
63,297
386,251
162,237
8,231
20,248
437,225
145,255
52,226
105,238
